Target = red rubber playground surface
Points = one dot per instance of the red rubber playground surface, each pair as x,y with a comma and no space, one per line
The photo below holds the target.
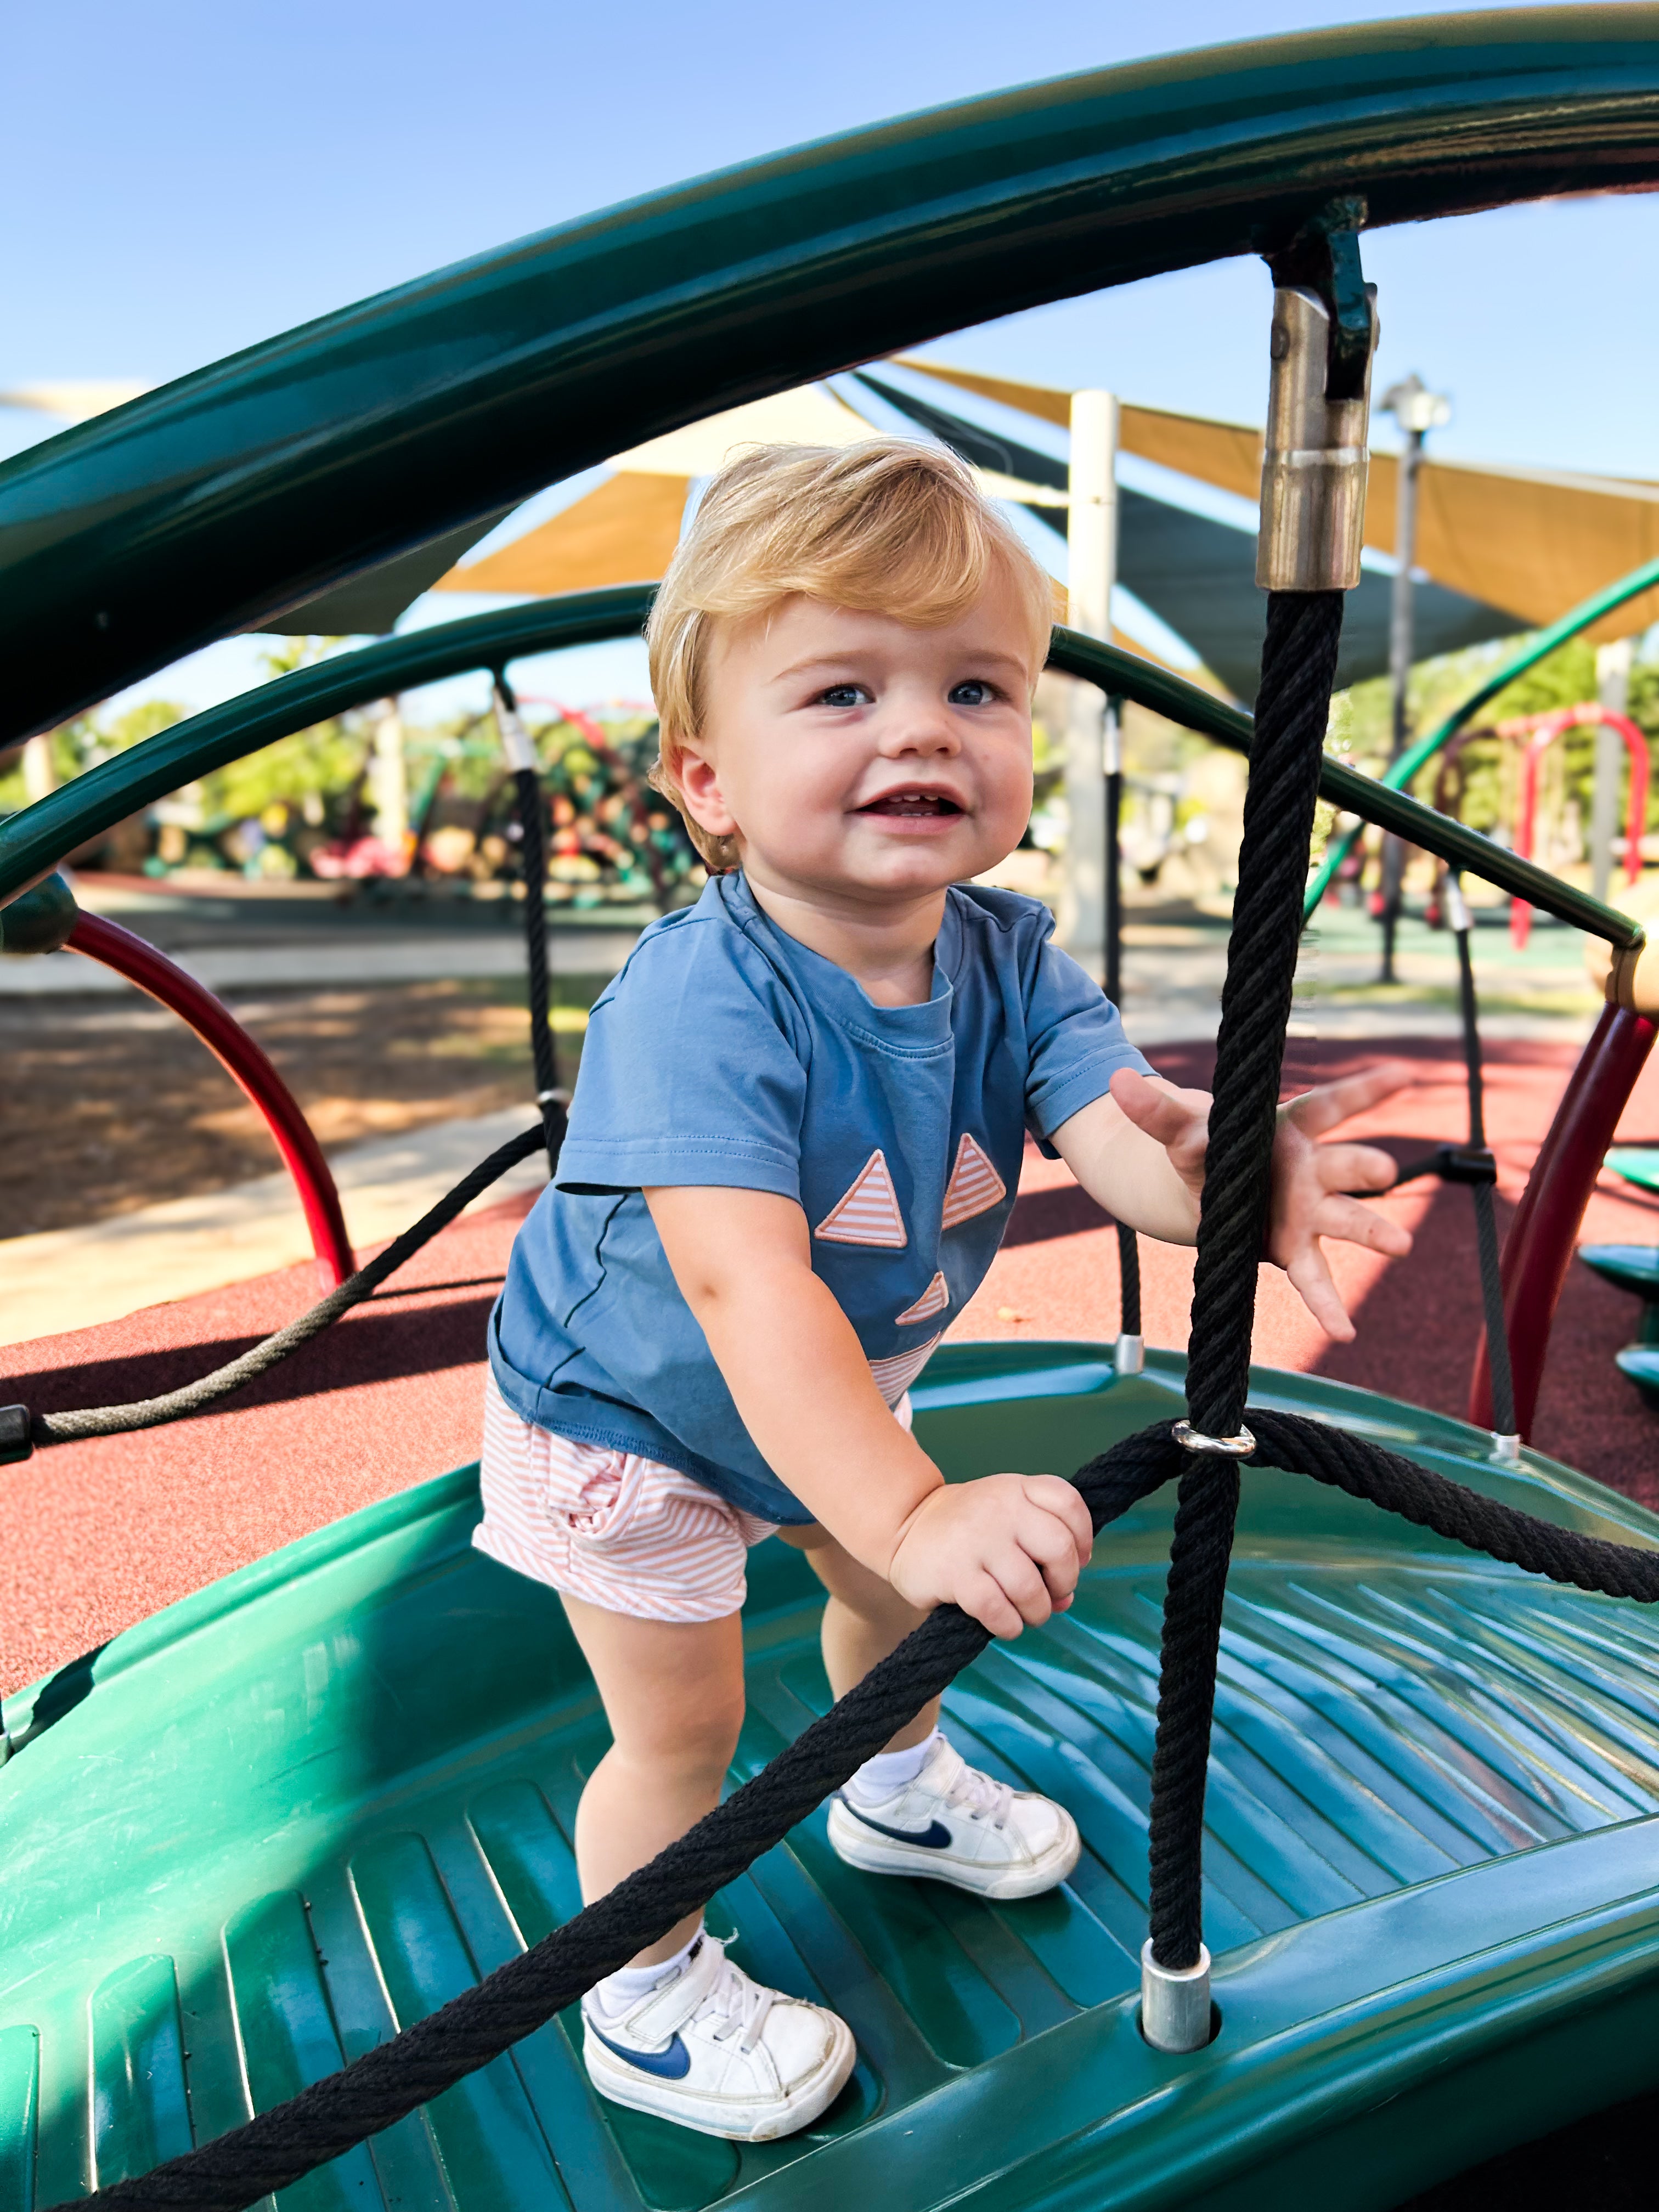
98,1534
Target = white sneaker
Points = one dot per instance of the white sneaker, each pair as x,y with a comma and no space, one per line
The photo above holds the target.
955,1824
717,2052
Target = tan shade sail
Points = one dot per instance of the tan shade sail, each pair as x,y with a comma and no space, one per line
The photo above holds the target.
78,399
624,531
1534,541
621,533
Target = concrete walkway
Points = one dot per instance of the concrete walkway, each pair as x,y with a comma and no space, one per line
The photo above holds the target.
346,957
75,1278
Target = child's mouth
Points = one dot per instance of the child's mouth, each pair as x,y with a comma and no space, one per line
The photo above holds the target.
912,804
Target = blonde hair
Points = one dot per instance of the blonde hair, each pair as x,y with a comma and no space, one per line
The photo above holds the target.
885,527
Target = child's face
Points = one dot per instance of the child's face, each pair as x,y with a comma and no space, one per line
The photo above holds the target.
852,753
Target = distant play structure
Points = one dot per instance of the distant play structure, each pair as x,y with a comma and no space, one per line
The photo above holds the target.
1369,1797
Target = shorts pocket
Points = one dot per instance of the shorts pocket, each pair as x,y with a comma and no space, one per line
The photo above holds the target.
593,1493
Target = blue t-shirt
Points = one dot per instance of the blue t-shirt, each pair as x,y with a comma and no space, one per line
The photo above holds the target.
728,1053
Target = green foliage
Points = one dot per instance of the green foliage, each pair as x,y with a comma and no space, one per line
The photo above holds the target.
1478,779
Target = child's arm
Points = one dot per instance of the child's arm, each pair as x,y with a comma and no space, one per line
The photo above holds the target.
1007,1548
1140,1152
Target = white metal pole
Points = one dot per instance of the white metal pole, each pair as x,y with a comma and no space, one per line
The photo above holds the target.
1612,689
1091,552
390,778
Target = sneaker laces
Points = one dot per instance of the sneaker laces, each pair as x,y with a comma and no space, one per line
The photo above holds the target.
977,1795
741,2005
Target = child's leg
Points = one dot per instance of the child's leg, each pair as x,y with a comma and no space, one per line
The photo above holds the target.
864,1619
673,1695
930,1813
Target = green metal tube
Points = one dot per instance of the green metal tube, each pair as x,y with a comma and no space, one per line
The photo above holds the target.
1167,694
31,843
1399,773
228,498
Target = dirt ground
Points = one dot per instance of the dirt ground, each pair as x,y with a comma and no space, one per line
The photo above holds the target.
112,1103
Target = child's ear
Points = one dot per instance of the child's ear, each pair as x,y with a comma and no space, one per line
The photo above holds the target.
699,782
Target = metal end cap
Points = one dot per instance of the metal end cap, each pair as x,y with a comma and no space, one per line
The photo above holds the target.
1175,2014
1505,1449
1129,1355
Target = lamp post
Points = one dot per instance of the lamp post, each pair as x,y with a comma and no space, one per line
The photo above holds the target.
1417,411
1091,731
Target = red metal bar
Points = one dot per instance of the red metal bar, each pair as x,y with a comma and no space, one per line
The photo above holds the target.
236,1052
1547,727
1539,1249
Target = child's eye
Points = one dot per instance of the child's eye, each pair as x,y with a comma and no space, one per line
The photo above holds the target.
844,695
976,692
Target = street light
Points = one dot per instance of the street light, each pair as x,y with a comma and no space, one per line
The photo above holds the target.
1417,411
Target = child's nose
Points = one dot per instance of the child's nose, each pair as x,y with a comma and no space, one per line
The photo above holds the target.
925,730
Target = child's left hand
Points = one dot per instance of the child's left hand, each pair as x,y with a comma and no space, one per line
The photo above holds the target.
1311,1182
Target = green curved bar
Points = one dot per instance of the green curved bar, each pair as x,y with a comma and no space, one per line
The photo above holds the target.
33,842
1122,673
219,501
1399,773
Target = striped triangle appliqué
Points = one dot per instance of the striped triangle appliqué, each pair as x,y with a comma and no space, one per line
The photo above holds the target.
933,1300
894,1376
869,1213
974,1186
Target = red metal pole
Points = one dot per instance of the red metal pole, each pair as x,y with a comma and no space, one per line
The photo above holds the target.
230,1044
1539,1246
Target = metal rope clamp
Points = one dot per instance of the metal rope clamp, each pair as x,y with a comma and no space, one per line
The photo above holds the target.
1315,460
1194,1440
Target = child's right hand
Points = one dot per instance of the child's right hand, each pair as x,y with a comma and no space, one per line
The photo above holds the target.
1007,1549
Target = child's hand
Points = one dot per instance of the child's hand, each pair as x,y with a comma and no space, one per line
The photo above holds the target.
1007,1549
1310,1179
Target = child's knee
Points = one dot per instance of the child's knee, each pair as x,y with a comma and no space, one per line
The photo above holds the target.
689,1737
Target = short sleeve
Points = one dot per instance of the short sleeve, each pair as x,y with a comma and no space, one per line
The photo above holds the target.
1074,1039
690,1072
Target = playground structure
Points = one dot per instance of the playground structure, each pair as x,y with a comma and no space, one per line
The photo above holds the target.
1536,733
1428,1886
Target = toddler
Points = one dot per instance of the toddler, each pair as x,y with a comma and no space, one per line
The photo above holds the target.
793,1151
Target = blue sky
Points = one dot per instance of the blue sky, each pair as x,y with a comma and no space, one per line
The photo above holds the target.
190,177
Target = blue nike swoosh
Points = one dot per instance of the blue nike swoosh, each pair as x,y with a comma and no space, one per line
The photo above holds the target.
671,2065
934,1838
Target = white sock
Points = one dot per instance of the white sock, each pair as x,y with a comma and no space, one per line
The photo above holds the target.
629,1984
889,1770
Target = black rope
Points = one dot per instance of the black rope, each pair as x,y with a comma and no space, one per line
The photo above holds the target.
1129,1269
234,2170
1482,1192
1298,662
196,1397
1128,1248
533,852
268,2154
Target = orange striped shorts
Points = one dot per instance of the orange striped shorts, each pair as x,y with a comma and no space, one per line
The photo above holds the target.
625,1533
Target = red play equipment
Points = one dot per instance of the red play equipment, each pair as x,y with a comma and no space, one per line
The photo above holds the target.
230,1044
1542,732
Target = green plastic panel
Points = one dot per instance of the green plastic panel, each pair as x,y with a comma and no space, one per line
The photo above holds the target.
1637,1164
335,1788
237,493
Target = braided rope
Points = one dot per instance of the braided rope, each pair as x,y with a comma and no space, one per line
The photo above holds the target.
238,2169
1298,662
234,2170
236,1373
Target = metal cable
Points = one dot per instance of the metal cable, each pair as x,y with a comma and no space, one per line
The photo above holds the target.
1483,1193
